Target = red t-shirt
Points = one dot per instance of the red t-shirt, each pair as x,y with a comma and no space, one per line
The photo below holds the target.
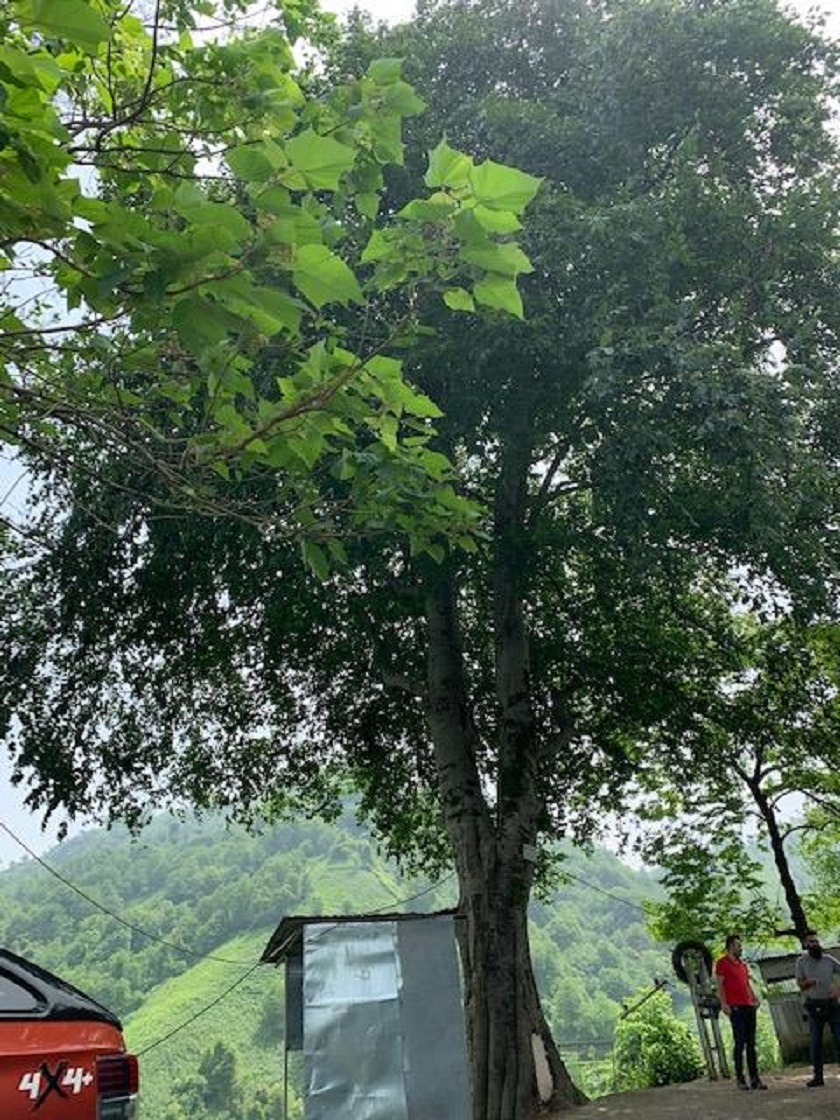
736,982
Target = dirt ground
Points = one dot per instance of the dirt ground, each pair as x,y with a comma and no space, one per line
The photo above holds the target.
787,1098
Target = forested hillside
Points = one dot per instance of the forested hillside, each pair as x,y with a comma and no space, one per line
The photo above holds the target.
213,895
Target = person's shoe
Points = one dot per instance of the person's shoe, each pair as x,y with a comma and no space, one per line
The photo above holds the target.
758,1085
743,1085
815,1083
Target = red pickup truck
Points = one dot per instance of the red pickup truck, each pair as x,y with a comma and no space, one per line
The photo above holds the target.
62,1054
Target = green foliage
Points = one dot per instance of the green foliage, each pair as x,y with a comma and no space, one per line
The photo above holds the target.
651,449
714,887
181,208
652,1047
766,734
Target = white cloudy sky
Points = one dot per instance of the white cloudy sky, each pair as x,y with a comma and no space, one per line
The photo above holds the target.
12,811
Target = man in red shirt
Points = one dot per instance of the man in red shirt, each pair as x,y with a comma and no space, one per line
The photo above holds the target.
740,1003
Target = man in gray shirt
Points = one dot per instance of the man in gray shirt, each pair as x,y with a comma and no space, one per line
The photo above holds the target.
818,975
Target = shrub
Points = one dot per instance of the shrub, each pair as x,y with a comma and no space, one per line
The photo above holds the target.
652,1047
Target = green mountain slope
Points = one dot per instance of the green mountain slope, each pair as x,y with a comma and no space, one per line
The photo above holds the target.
192,996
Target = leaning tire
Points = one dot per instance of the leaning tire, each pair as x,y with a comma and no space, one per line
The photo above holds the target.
681,950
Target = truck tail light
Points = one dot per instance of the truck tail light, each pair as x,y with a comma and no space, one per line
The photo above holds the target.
117,1082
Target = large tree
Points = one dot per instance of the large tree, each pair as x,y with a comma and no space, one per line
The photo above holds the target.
657,438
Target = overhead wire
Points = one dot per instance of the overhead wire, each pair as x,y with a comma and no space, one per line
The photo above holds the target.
182,949
600,890
387,907
252,965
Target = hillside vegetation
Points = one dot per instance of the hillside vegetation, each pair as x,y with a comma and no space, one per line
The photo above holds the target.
214,895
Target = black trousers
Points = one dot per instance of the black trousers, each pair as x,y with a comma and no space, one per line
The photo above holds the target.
822,1013
743,1023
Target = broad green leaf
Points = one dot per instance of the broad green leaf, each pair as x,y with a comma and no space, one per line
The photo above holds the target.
448,168
401,98
256,162
432,209
496,221
320,159
367,203
197,322
501,293
503,188
378,248
506,258
66,19
383,71
270,309
388,431
459,299
323,277
315,559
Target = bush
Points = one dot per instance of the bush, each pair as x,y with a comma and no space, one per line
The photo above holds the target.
652,1047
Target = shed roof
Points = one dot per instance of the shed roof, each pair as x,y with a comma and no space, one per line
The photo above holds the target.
287,939
782,966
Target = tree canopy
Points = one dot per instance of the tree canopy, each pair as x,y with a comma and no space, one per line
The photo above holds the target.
650,450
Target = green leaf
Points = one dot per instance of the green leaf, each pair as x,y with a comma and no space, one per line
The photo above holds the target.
448,168
496,221
66,19
256,163
503,188
432,209
458,299
320,159
367,204
501,293
507,258
323,277
384,71
401,98
388,431
378,248
198,324
316,559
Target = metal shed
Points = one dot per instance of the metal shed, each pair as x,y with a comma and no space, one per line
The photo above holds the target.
374,1002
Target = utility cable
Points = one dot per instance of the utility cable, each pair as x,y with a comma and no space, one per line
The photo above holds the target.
600,890
334,925
182,949
198,1014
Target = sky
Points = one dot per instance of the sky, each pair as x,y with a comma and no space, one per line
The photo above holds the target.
12,811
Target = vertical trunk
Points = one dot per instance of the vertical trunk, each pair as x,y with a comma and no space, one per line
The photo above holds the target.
777,846
516,1068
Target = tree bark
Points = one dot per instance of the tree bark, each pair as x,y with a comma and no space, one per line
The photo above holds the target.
516,1068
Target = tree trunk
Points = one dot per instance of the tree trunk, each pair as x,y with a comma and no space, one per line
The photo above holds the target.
777,846
516,1068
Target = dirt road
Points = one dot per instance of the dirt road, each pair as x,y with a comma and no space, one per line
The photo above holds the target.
787,1098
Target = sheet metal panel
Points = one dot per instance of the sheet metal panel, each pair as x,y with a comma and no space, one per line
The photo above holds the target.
353,1041
436,1073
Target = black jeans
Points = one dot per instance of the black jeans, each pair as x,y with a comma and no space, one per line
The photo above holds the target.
821,1012
742,1018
